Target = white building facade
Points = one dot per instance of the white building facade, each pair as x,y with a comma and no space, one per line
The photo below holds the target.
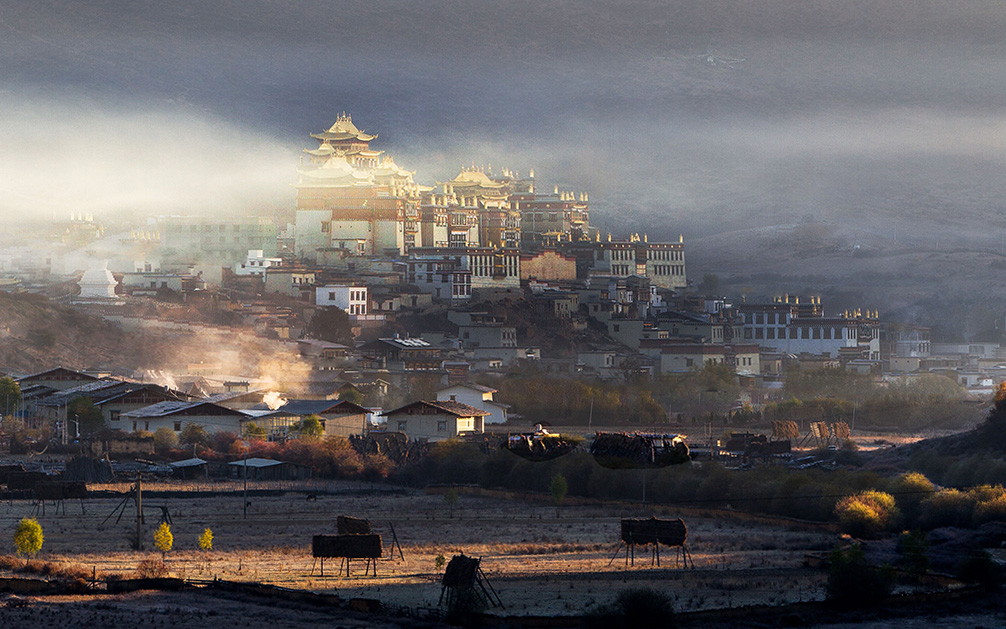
351,298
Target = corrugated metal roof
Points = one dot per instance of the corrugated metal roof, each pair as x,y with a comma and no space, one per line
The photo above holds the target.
256,462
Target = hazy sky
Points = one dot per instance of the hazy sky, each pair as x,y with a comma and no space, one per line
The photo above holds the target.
689,116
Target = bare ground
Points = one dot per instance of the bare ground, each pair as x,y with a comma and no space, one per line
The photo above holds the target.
541,564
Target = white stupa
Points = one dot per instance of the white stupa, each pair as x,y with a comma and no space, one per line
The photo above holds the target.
97,284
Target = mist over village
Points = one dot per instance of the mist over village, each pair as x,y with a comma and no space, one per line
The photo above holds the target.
573,314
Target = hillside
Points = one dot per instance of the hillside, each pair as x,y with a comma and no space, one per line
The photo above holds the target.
944,281
39,334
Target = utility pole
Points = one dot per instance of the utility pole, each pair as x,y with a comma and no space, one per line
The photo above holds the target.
245,499
139,514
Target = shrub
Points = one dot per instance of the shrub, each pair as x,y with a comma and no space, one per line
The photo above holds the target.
913,546
867,513
978,567
151,569
637,607
911,489
165,440
376,467
558,488
853,582
947,507
28,537
990,510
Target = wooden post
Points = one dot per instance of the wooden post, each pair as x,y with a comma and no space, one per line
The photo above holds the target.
246,488
139,513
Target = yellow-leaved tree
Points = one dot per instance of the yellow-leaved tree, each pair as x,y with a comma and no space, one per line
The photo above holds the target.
206,540
163,539
28,537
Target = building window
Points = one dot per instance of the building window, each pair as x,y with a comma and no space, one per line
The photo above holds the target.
441,426
178,426
402,425
113,416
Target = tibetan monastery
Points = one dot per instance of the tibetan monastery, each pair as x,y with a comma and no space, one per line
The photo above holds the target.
352,198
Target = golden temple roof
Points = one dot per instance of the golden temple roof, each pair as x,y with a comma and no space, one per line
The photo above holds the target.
324,149
344,129
336,171
474,177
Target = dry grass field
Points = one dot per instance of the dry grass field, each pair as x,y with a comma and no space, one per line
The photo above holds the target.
539,563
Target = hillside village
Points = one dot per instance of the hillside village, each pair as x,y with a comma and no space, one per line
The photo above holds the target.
390,305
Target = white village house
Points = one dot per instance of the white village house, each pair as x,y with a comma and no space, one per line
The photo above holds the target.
476,396
176,415
435,421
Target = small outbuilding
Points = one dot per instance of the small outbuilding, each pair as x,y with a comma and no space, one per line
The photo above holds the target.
268,469
190,469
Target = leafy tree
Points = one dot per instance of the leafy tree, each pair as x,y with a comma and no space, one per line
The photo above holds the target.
10,395
254,432
351,395
911,488
993,428
558,487
223,441
28,537
310,427
165,440
206,540
710,284
89,417
855,583
439,562
194,435
170,295
163,539
451,498
332,325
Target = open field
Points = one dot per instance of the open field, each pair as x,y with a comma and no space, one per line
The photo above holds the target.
540,563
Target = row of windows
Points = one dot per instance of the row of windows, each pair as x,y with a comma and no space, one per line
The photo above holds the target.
764,317
797,333
668,269
666,254
233,228
235,239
